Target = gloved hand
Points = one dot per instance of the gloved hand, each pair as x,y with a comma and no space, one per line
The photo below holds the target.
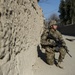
66,48
53,43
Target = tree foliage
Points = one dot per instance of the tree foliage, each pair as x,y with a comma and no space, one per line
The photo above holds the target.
67,11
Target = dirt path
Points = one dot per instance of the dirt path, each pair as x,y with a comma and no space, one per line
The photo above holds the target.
41,68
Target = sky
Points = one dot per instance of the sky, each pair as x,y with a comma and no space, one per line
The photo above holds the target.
49,7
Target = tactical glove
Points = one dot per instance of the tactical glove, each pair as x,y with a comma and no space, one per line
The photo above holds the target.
53,43
66,48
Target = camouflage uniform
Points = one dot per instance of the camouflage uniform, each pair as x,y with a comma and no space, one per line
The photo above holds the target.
50,45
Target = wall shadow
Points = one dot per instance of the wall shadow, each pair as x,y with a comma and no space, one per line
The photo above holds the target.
41,54
1,73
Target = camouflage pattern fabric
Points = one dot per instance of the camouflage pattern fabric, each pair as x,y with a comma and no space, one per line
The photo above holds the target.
49,45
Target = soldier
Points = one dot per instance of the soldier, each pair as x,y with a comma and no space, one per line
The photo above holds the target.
52,41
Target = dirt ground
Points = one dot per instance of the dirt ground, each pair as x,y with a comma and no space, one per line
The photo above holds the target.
42,68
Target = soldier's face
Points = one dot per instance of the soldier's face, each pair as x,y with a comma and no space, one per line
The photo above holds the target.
54,27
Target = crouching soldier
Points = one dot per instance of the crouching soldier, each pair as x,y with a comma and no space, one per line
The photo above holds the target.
52,41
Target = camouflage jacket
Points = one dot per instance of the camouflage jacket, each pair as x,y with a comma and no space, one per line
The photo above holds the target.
56,36
49,37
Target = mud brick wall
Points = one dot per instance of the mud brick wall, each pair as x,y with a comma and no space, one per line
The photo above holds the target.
21,23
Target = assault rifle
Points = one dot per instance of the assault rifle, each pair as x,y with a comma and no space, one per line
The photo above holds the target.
67,51
59,44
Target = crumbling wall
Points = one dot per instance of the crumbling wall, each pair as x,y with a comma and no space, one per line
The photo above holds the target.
21,25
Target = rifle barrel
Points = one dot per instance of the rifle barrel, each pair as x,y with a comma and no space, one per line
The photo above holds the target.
69,54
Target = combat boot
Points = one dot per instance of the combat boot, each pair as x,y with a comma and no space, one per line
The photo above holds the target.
59,65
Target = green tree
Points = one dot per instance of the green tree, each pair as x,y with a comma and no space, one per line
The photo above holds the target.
72,11
62,11
67,11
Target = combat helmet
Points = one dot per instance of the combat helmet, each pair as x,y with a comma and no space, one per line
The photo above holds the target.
53,22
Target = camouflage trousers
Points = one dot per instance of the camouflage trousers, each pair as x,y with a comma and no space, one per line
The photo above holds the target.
50,55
